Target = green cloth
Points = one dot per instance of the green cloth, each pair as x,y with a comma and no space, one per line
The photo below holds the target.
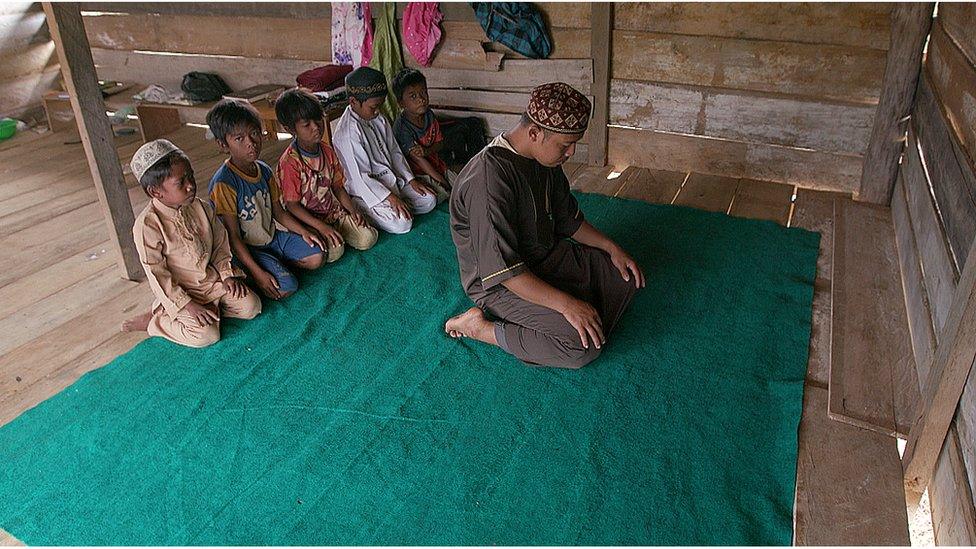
344,415
387,55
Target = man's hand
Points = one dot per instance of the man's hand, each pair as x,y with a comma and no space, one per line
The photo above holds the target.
418,186
267,283
582,316
330,235
418,151
201,313
235,287
399,208
312,238
627,266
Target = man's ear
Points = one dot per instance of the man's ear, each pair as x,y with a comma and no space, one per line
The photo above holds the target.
535,133
153,191
222,145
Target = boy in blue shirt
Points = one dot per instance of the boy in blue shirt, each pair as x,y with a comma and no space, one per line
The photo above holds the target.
247,196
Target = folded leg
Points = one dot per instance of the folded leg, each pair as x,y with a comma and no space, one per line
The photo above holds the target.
245,308
183,329
536,334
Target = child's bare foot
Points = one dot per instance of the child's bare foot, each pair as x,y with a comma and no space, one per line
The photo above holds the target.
471,323
138,323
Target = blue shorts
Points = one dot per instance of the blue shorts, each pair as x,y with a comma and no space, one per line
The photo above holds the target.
284,247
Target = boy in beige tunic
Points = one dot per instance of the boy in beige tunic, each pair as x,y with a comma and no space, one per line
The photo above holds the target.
185,252
541,297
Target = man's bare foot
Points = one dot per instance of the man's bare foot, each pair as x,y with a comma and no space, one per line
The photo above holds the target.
471,323
138,323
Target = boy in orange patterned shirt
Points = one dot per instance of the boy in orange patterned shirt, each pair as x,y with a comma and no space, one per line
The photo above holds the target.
312,180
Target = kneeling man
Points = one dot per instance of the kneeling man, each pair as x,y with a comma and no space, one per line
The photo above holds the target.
546,299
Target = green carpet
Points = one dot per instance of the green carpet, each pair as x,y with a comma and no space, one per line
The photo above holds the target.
344,415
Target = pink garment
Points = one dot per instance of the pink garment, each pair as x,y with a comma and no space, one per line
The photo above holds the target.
421,32
348,32
368,39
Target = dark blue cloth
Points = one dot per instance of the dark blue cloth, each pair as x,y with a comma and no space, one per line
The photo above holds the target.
518,25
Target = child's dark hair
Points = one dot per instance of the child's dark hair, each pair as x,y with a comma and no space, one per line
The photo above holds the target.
158,172
297,104
229,114
406,78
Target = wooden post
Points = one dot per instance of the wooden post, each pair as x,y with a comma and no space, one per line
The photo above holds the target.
601,33
910,25
950,368
78,69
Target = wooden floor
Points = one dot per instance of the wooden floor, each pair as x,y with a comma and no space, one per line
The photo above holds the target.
62,301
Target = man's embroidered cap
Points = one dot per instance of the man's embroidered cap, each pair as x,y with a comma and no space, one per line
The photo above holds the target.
559,108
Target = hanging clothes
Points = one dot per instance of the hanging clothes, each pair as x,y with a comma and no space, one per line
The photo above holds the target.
368,39
518,25
386,54
421,32
348,33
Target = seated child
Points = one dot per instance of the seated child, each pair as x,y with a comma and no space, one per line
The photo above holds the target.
417,131
377,174
312,182
247,197
184,249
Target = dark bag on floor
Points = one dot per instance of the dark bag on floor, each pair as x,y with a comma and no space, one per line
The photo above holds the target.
463,138
204,86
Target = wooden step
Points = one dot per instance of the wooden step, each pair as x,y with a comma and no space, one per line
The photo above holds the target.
814,211
873,383
849,488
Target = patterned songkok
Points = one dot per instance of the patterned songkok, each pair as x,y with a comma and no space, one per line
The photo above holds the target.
559,108
365,83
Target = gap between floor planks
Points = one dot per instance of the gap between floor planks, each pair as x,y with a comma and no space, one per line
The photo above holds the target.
737,197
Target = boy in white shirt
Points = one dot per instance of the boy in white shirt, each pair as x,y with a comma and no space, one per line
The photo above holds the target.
378,176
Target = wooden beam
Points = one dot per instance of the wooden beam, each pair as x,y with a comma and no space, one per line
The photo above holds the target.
847,486
812,71
860,24
951,176
601,31
78,70
516,74
950,498
947,377
910,25
872,381
754,117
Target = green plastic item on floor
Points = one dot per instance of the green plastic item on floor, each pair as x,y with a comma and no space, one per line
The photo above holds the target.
8,127
344,416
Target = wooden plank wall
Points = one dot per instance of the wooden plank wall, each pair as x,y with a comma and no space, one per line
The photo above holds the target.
158,43
28,62
781,92
148,43
934,212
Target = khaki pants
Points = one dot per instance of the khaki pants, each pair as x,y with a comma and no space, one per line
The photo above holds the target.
185,330
359,238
